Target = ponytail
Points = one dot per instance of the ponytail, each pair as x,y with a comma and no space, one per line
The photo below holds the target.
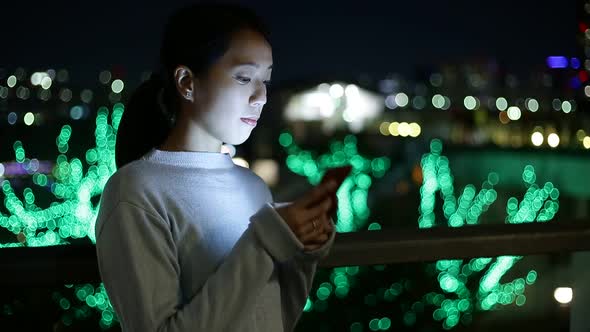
145,123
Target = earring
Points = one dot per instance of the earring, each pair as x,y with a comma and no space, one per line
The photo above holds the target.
189,94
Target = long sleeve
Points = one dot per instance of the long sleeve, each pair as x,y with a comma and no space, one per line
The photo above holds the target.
296,279
138,263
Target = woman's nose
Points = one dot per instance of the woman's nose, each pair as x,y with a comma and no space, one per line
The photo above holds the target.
258,98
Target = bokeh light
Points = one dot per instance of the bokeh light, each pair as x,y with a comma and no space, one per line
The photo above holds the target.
117,86
563,295
29,118
336,91
501,104
553,140
11,81
537,138
513,113
401,99
532,105
470,102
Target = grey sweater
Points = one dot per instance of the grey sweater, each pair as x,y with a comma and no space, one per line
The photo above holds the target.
189,241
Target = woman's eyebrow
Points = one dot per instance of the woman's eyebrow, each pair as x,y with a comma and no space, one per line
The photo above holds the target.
250,64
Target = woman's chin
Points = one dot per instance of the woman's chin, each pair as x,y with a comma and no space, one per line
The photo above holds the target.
238,140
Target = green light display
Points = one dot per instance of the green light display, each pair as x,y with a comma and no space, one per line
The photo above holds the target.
72,215
457,302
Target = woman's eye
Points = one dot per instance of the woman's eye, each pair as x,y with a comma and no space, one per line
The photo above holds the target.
242,80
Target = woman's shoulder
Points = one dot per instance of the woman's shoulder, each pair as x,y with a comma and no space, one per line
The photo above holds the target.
253,180
137,177
135,184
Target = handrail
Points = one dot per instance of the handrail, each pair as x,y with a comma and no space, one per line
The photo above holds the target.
77,263
390,246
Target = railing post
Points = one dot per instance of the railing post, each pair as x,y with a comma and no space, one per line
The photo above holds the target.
580,305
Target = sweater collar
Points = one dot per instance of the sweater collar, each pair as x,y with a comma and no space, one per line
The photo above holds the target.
196,159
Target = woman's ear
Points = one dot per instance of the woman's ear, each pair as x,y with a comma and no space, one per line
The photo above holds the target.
183,79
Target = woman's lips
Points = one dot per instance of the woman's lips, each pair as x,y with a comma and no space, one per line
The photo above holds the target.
251,122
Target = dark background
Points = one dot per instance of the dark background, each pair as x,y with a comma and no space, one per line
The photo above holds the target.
310,38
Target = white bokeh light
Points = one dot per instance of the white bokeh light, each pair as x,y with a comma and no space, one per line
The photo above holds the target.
553,140
537,138
563,295
336,91
513,113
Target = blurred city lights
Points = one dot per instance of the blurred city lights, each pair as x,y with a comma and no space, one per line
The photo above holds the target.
336,91
394,129
86,95
12,117
470,102
384,128
557,62
553,140
267,169
566,107
436,79
447,103
563,295
586,142
29,118
65,95
76,112
513,113
503,117
419,102
537,138
404,129
37,77
62,76
575,63
11,81
351,91
415,129
532,104
438,101
117,86
390,102
46,82
501,104
104,77
401,99
556,103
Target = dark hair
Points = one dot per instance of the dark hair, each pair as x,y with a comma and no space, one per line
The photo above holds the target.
195,36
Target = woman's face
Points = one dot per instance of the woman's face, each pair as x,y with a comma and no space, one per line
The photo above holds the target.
230,98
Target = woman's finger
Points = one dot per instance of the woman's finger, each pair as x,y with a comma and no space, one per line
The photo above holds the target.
317,194
311,247
319,239
310,234
319,210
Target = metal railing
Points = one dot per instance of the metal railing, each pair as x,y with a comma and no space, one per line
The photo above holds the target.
60,265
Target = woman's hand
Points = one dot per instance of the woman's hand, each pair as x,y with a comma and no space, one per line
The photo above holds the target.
312,208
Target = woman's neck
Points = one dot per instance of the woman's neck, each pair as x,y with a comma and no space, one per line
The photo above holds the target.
189,136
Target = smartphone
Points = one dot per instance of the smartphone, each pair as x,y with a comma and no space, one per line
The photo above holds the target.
338,174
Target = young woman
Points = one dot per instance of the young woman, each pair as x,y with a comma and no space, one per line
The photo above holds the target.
186,240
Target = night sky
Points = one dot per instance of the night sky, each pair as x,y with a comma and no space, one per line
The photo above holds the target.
310,38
